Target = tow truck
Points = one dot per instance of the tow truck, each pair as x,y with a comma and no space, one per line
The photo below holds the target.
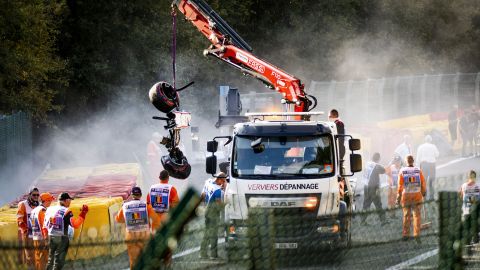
284,161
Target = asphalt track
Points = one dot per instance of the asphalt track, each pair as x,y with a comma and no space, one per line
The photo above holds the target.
458,166
373,247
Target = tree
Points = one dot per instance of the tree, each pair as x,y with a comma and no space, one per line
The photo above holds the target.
116,46
30,70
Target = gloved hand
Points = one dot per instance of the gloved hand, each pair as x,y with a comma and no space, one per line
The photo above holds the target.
84,211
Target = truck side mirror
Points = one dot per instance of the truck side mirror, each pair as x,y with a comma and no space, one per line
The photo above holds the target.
211,165
212,146
355,163
354,144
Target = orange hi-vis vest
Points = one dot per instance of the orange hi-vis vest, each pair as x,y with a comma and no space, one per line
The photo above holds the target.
28,211
54,220
160,196
411,185
394,171
35,221
471,195
136,216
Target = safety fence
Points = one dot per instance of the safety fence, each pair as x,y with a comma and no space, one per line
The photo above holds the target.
395,97
15,153
262,246
15,135
267,241
291,238
459,233
15,139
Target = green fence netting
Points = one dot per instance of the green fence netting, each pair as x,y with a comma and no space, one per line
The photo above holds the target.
284,238
15,138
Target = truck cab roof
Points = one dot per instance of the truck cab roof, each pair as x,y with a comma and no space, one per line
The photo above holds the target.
284,128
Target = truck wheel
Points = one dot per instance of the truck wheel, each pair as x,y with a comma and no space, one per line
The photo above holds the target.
230,254
348,238
236,256
346,242
348,224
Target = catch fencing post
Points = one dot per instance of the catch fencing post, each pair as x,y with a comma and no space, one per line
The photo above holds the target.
450,246
477,89
167,236
261,238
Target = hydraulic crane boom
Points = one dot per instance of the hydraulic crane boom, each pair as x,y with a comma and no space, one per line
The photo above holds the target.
229,47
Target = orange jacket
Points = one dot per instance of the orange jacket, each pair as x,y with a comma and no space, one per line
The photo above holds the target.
392,177
154,218
68,219
75,222
22,216
411,185
41,218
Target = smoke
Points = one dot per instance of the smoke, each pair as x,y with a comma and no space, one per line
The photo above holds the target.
15,179
410,38
118,134
350,42
398,38
365,57
112,135
373,39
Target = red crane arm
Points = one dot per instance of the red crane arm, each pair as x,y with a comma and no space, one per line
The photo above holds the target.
229,47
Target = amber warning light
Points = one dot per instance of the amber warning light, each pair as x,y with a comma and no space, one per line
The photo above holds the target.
311,202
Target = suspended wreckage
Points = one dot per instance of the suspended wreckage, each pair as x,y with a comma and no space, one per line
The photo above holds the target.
165,98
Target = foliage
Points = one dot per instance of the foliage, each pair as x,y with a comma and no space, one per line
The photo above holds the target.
113,47
30,70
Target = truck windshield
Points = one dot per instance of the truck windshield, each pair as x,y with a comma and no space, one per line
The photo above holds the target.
283,157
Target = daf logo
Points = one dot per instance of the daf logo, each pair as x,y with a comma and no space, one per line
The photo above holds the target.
282,204
294,202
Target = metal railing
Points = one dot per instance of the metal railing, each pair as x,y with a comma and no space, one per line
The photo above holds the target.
15,139
395,97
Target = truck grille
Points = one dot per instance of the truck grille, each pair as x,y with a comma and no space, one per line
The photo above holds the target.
292,222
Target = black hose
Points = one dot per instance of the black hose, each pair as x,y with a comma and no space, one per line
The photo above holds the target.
182,88
312,100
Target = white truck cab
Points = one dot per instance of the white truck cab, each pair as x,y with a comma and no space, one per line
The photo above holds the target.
293,168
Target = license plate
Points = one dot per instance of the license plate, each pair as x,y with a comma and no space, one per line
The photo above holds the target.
286,245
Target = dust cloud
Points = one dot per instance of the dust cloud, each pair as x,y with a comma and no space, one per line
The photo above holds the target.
360,64
311,51
118,134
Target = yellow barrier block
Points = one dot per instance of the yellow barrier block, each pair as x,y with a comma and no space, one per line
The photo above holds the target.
8,214
410,121
418,125
8,232
97,227
8,225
